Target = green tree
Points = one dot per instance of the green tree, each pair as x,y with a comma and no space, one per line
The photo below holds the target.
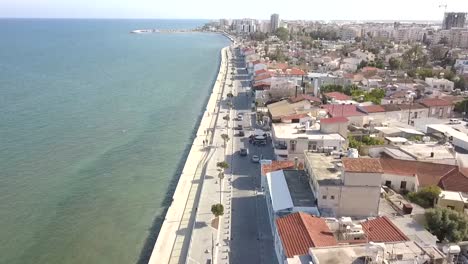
217,209
353,143
426,196
282,34
446,224
461,106
460,82
414,57
362,64
394,63
222,165
225,138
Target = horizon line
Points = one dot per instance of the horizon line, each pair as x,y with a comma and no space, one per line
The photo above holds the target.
154,18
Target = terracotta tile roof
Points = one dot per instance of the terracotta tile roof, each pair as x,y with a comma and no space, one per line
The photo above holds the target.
335,110
338,96
412,106
381,229
391,107
368,68
373,109
262,71
301,231
366,165
427,173
455,181
294,71
263,77
333,120
435,102
277,165
258,84
304,97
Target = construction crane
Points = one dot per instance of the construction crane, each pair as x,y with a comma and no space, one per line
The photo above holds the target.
445,7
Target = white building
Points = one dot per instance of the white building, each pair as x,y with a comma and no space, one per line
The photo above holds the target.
291,140
440,84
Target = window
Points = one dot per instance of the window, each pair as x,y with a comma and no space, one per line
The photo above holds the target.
312,146
332,197
324,197
293,145
441,112
388,183
433,111
451,207
448,110
403,185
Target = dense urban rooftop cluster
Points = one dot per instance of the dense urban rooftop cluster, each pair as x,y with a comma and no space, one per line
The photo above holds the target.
368,128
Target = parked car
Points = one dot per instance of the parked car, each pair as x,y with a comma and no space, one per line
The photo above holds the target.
238,127
241,133
454,121
243,152
255,159
240,117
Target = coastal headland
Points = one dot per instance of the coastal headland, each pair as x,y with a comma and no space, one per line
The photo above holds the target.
174,236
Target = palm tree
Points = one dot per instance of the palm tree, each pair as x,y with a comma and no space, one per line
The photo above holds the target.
217,209
222,165
221,177
227,118
225,138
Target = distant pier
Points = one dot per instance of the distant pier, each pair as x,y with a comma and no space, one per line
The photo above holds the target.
154,30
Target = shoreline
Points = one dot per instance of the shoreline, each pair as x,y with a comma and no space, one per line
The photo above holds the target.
171,240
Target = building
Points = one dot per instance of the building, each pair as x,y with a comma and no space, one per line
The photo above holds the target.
457,201
274,22
296,233
303,238
440,84
244,25
287,192
393,252
454,20
291,140
438,108
344,187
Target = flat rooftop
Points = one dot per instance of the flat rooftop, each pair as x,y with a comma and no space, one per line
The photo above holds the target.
354,253
326,169
298,185
295,131
422,151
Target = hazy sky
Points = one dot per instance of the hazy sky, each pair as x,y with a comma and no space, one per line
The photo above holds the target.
261,9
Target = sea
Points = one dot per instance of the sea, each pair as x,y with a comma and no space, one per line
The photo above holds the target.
95,126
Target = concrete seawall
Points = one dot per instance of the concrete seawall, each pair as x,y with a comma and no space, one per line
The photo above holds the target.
174,237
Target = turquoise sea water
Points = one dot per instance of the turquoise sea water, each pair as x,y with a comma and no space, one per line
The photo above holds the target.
94,124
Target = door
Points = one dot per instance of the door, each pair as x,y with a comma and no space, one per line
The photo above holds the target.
388,184
403,185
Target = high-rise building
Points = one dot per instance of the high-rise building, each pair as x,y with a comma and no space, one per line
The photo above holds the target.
274,22
453,19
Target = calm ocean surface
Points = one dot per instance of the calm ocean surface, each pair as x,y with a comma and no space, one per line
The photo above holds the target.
94,124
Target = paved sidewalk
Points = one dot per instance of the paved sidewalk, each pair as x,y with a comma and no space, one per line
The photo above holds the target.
174,236
206,241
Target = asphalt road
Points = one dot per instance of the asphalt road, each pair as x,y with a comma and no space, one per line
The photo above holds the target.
251,237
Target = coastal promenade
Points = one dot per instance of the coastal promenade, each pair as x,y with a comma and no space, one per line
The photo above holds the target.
174,237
